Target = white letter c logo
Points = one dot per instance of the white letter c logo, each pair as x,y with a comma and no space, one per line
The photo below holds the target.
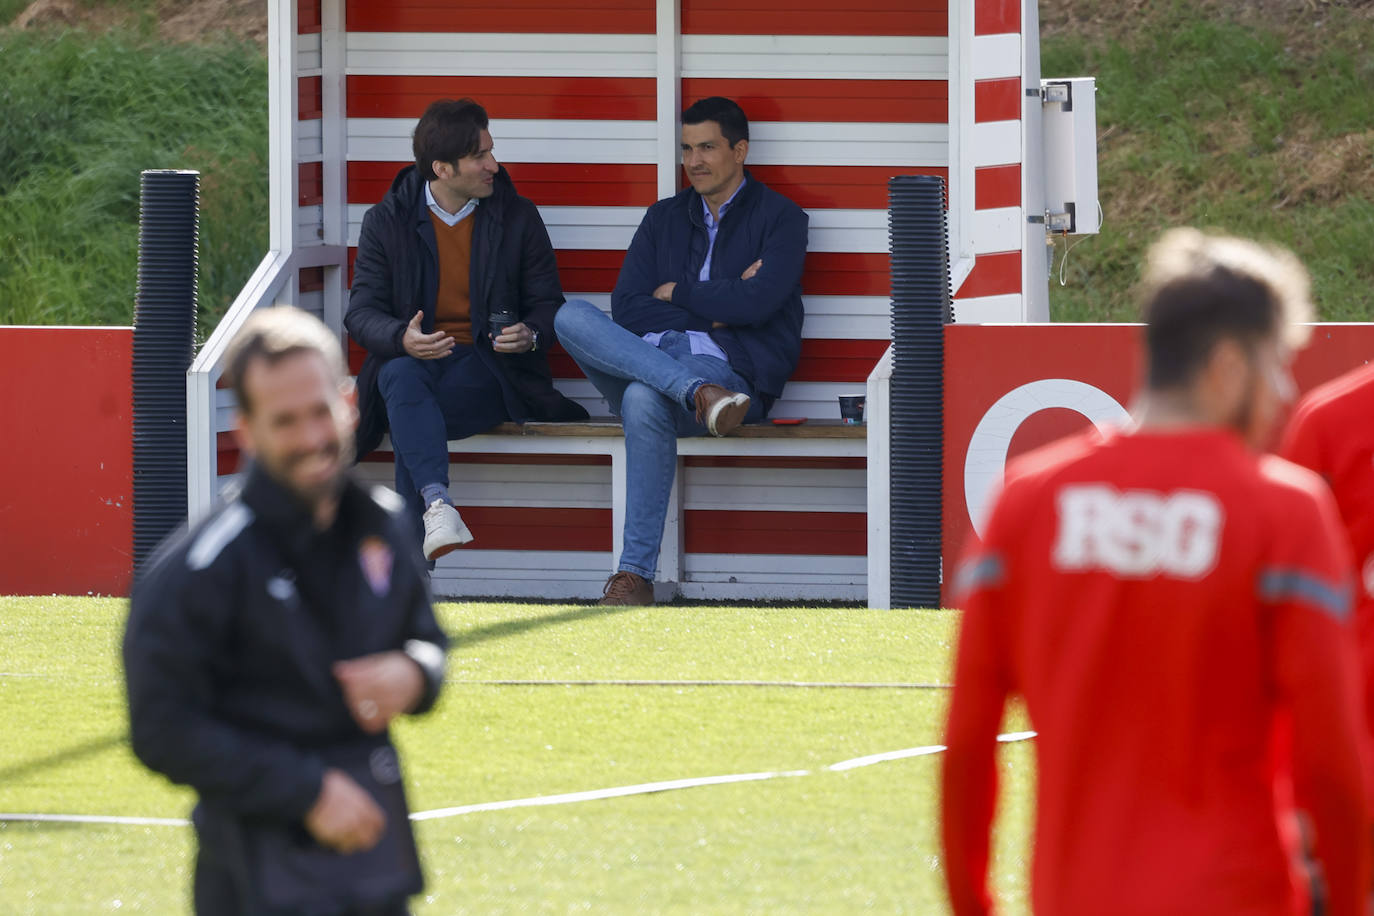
987,448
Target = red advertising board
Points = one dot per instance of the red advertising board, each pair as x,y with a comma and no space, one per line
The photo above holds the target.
1012,388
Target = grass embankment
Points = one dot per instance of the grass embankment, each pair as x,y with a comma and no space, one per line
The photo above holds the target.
864,839
1254,117
81,116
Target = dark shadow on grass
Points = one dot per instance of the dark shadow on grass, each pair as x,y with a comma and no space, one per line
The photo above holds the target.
64,756
506,628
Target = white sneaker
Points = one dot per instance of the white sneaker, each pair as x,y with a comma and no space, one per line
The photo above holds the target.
444,530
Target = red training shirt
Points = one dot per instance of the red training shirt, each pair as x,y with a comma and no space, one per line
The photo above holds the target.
1165,603
1332,432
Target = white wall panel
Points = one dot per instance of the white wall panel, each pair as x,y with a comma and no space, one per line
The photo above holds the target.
997,143
815,57
776,489
998,229
996,56
989,310
308,56
516,140
499,54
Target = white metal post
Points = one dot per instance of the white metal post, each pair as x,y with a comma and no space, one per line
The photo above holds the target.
281,132
668,76
1035,271
334,148
878,411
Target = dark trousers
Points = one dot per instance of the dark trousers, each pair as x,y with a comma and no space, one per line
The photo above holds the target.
430,401
218,894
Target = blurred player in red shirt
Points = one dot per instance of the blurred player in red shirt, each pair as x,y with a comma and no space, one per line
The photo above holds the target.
1332,432
1175,611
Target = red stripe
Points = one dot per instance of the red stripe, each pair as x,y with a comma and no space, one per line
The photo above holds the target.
997,186
826,273
851,187
556,16
309,104
906,101
588,271
529,460
846,274
814,17
307,16
538,528
309,184
997,100
816,533
822,360
311,279
548,184
993,275
553,97
996,17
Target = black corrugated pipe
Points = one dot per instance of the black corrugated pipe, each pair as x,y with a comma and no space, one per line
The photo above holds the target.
918,238
164,343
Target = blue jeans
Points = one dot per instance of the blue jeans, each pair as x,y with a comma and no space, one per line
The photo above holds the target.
430,401
648,387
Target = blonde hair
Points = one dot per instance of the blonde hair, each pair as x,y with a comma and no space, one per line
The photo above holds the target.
1198,288
276,332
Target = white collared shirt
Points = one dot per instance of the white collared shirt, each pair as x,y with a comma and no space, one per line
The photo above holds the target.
450,219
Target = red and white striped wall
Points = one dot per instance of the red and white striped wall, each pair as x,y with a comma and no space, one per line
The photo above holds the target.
585,99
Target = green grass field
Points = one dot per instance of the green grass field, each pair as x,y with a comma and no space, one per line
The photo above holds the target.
819,841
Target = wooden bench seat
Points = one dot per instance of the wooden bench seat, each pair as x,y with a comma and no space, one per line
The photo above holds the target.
604,436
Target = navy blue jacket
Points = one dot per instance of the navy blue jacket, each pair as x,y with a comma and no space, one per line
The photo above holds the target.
397,274
763,314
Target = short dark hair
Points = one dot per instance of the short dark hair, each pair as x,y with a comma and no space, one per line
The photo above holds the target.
274,333
448,131
1199,289
734,125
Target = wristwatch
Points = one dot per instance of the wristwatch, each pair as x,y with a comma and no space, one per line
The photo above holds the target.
534,339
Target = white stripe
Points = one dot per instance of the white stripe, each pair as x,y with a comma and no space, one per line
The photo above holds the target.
517,140
996,56
309,145
217,535
612,228
602,55
997,229
308,54
996,143
1006,309
827,317
539,801
815,57
97,819
895,144
599,794
499,54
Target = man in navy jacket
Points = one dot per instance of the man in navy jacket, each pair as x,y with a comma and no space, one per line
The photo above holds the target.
454,293
705,324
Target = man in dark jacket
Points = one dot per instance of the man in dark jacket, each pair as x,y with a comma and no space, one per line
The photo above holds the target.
705,323
269,646
454,292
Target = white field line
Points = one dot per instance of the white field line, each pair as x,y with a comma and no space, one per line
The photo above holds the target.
566,798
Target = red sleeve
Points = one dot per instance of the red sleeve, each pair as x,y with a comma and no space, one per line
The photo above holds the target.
981,685
1306,586
1301,443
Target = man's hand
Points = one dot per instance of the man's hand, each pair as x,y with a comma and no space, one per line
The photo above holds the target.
425,346
665,292
379,687
344,817
518,338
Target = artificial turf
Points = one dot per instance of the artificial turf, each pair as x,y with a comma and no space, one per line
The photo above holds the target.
724,702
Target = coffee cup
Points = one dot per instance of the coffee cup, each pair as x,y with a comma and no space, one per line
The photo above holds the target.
852,408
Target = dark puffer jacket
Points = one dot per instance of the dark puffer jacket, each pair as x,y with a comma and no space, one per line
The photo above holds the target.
397,274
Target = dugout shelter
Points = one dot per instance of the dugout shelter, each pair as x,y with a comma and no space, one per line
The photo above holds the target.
584,99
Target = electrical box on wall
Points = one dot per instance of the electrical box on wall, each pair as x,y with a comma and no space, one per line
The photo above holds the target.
1070,137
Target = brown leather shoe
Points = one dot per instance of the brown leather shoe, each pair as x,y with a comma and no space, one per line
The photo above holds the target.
719,409
625,588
